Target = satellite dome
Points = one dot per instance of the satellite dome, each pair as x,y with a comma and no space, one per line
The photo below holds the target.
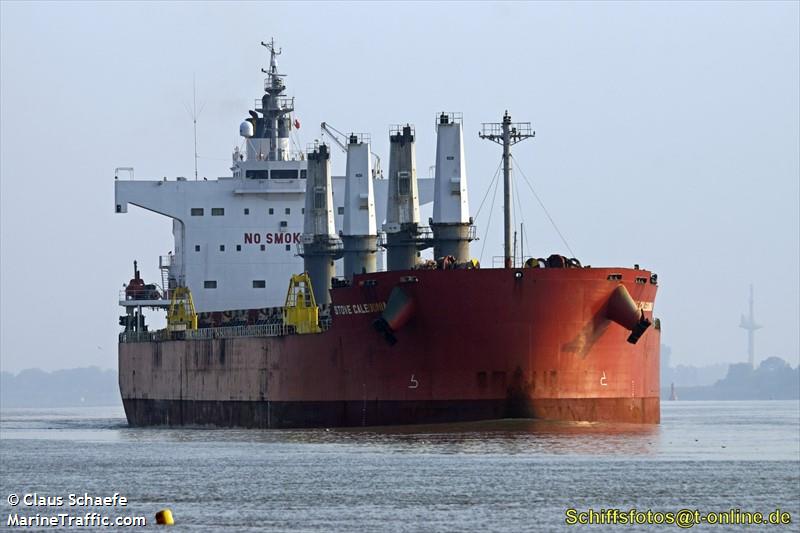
246,129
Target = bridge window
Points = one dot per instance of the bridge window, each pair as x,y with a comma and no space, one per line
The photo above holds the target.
259,284
197,211
196,247
284,174
257,174
271,211
340,210
288,247
302,174
288,211
210,284
238,247
221,247
217,211
263,247
246,211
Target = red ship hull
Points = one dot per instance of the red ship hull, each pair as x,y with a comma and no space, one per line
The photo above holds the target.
477,344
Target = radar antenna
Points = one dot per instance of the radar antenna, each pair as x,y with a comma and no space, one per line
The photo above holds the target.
194,121
273,65
194,113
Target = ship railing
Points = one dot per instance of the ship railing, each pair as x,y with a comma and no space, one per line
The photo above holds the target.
144,336
515,130
424,233
128,171
141,294
260,330
397,129
283,103
330,243
155,297
454,117
499,261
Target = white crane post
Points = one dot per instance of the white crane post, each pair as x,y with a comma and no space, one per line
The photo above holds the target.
451,224
359,232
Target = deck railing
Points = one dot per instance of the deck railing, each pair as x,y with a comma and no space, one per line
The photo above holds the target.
261,330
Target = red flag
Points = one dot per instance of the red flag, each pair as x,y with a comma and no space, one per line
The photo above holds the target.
296,124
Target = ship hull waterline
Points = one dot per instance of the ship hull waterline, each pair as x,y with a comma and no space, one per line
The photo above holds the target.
479,344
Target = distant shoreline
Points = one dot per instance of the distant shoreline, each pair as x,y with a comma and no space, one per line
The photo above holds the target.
75,387
774,379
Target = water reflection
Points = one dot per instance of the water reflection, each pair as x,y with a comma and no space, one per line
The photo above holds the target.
501,436
689,430
512,436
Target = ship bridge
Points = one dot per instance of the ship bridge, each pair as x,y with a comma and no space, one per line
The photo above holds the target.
236,236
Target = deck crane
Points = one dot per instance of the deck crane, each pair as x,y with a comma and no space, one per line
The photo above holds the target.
338,137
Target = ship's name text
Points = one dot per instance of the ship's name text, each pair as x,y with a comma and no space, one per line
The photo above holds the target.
359,309
272,238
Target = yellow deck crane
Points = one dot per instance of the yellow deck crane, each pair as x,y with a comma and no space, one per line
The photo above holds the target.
181,315
301,311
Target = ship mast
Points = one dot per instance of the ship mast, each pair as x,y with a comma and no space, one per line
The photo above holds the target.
506,134
275,108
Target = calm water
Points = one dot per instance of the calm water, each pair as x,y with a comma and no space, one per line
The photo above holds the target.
490,476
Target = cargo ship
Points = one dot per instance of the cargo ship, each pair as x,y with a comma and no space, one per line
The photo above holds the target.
276,319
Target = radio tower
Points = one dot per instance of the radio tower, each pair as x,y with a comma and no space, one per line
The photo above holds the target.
749,323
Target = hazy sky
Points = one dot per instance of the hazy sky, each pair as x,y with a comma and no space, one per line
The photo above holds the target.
666,135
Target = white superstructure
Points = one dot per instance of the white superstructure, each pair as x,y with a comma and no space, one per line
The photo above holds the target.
236,237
